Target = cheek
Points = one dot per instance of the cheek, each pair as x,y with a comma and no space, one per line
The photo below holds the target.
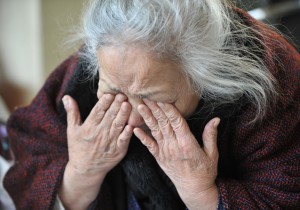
101,90
180,106
186,106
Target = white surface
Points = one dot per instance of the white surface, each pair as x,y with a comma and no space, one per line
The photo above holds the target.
5,200
20,42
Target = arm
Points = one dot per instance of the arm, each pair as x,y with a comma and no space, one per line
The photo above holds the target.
95,146
268,164
38,140
268,153
267,160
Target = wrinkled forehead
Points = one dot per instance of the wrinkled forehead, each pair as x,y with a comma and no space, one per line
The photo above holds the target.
131,64
123,60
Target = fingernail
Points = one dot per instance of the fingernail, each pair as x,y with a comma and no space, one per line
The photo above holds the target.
65,101
127,128
124,106
216,122
141,109
120,97
108,96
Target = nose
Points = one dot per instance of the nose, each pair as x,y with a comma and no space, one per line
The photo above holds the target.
135,119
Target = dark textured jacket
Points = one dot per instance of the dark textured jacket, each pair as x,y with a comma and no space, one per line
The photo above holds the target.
259,165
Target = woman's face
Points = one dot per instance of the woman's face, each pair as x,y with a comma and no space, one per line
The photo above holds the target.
132,72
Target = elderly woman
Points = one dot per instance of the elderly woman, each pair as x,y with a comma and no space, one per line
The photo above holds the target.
170,104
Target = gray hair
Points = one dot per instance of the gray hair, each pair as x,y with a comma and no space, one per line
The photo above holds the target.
204,36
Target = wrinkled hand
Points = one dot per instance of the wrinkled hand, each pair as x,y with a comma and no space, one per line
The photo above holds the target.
101,141
192,169
94,147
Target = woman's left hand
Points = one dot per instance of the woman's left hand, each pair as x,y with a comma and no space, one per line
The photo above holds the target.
190,167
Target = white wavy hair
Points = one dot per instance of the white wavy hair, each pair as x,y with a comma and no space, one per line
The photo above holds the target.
204,36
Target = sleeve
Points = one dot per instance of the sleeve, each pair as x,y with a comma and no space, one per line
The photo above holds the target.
38,140
267,155
268,167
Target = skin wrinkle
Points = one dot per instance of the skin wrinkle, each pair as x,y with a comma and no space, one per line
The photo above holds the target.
134,73
172,144
140,62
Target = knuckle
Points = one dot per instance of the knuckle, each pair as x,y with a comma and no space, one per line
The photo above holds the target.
156,112
152,149
155,132
165,124
89,138
99,114
170,113
118,125
177,122
170,133
212,134
123,138
147,142
150,122
162,121
106,101
88,134
127,134
186,149
98,108
112,115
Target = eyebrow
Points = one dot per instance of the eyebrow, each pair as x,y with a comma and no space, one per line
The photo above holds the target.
117,90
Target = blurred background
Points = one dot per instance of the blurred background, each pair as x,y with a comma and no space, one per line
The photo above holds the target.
33,32
32,37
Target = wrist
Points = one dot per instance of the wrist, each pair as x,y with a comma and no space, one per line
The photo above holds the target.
79,190
205,200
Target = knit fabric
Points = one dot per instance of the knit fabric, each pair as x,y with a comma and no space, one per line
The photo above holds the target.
259,164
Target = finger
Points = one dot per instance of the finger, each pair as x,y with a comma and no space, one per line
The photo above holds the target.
121,119
161,118
209,136
112,111
177,122
124,138
73,114
150,121
147,141
100,108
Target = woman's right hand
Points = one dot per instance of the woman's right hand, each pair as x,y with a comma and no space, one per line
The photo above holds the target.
95,147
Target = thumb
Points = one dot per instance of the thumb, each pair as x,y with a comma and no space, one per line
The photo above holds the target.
73,114
209,136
